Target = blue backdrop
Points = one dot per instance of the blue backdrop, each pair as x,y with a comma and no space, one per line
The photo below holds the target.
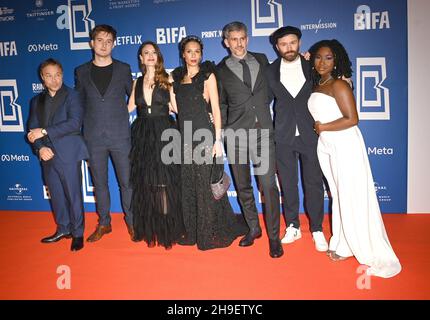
374,34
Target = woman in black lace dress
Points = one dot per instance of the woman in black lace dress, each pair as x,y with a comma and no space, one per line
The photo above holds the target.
156,198
209,223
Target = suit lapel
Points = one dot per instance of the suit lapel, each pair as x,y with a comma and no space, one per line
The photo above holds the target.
56,106
114,72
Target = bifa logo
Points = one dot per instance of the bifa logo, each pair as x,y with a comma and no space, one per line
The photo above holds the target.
365,19
373,99
75,17
10,113
170,35
266,17
87,187
8,49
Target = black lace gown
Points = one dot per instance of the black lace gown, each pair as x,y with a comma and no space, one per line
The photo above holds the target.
209,223
156,202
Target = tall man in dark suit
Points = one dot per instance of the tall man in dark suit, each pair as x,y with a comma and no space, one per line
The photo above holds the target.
104,84
245,108
290,82
55,134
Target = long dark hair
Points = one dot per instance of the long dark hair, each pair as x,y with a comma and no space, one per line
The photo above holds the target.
161,77
342,64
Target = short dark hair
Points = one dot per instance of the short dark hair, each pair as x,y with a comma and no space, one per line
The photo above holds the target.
49,62
190,38
282,32
102,28
233,26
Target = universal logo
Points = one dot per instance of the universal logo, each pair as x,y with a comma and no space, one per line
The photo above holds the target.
18,193
365,19
265,24
372,99
42,47
10,112
76,18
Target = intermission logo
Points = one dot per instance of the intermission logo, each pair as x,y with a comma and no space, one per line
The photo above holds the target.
75,18
39,13
170,35
8,48
123,4
266,16
10,112
365,19
18,193
42,47
128,40
6,14
318,26
373,99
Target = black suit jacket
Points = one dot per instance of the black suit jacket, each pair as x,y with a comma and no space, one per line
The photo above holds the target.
105,116
289,111
239,105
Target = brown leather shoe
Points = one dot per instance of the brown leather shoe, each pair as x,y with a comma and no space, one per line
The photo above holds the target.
99,233
131,233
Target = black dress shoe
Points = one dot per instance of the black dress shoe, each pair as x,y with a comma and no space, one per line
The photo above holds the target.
276,250
248,239
56,237
77,243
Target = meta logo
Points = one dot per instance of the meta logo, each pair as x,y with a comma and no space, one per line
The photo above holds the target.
170,35
8,49
372,98
365,19
266,17
14,158
75,18
380,151
10,112
42,47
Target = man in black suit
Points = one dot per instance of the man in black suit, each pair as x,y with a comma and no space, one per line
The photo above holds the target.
55,134
104,83
246,113
290,82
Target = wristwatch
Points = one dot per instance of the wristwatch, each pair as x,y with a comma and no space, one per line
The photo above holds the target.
44,132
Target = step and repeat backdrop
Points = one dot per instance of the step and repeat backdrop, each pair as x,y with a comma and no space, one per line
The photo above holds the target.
374,32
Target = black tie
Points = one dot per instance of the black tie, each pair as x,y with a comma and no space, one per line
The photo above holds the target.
246,74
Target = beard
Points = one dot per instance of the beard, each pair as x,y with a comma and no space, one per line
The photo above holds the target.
290,55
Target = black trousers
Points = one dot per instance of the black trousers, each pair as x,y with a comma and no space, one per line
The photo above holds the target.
287,157
258,147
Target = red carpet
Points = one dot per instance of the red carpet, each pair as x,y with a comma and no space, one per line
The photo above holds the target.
116,268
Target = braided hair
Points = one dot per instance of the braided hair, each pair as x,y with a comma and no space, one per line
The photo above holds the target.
342,64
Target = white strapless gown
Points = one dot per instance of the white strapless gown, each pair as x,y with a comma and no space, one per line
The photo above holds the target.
358,228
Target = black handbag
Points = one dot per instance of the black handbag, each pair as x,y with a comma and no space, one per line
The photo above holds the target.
220,181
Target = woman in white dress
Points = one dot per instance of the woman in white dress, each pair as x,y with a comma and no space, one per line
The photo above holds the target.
358,228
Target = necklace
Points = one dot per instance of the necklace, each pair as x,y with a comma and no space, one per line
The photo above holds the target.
325,81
